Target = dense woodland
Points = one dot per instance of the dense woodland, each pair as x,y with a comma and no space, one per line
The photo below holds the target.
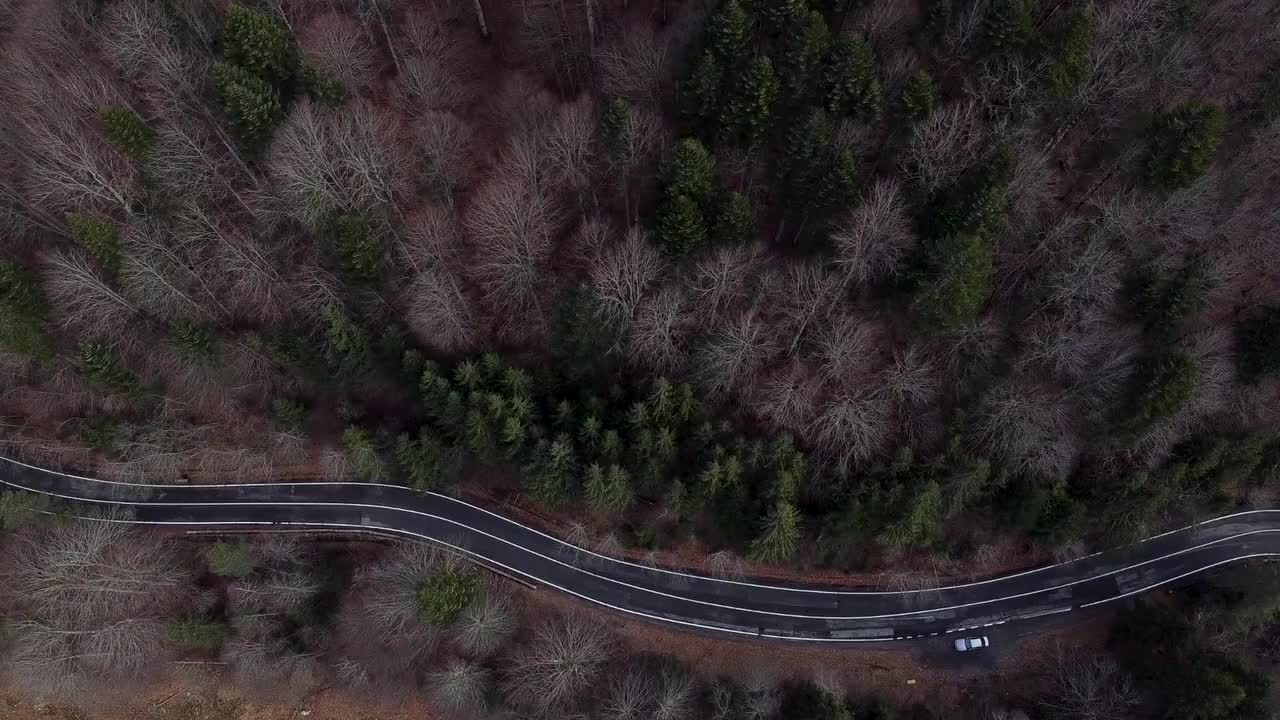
811,282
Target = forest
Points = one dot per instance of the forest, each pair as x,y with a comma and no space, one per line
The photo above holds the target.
822,284
839,284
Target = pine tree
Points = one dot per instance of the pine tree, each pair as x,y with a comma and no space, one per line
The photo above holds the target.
346,347
749,111
322,87
838,185
127,132
290,414
958,266
591,434
514,434
615,125
360,253
804,152
467,375
620,494
700,96
421,459
1162,386
1068,51
680,229
479,435
608,491
781,534
563,417
690,171
1009,25
550,475
101,366
1184,140
849,83
678,500
251,104
777,15
804,45
366,460
253,40
23,312
919,98
99,237
662,400
729,31
922,522
610,447
193,339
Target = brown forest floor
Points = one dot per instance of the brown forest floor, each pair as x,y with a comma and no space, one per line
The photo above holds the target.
904,675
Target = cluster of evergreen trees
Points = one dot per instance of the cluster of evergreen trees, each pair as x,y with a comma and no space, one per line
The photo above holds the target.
797,81
261,73
603,451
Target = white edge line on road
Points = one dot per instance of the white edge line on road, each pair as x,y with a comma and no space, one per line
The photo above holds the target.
605,578
646,568
1179,577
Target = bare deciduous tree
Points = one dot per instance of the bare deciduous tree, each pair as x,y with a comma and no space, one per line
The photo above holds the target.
444,154
944,146
73,168
675,696
430,83
875,237
140,41
805,293
569,147
849,347
721,282
622,273
87,302
1089,688
439,312
629,696
461,688
275,593
635,66
484,627
788,398
262,662
389,590
910,380
659,334
87,602
512,225
1026,429
159,275
732,356
853,428
726,564
560,663
243,274
338,44
347,159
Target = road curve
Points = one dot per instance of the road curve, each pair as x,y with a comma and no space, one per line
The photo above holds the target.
736,607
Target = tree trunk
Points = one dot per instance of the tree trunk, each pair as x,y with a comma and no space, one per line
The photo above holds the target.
484,27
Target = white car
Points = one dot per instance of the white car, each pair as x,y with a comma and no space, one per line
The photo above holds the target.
967,644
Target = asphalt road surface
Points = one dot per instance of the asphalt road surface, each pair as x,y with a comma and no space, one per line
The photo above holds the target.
736,607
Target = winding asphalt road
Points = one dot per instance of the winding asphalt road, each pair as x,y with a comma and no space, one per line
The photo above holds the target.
742,608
